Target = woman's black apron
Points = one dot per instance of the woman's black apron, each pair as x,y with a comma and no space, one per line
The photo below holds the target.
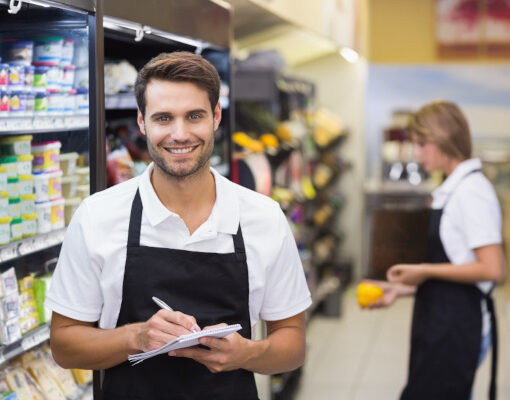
209,286
446,333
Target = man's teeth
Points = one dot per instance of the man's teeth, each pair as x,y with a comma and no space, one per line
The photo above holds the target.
181,151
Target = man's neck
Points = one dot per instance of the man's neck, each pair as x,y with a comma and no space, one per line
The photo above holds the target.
192,198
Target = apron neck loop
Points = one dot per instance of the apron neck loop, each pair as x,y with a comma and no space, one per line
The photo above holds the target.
135,222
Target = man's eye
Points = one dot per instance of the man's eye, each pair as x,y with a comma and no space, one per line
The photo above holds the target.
163,119
195,116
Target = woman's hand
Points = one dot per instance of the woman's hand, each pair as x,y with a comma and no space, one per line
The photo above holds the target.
392,291
408,274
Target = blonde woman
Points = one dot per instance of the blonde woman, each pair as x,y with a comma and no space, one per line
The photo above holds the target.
453,318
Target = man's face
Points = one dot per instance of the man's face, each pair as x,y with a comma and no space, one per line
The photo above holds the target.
179,125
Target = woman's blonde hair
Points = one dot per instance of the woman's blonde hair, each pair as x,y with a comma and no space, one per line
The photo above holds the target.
443,123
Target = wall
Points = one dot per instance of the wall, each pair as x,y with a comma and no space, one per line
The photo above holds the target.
340,87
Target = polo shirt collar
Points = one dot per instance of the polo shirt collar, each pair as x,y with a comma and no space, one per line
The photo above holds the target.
224,217
459,173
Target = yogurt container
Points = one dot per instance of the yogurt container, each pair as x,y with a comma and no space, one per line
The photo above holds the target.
70,102
4,203
81,78
57,214
84,174
54,77
27,204
55,185
43,211
16,145
40,78
69,186
46,156
29,77
26,184
17,102
82,101
83,191
40,103
16,77
67,52
29,224
11,163
70,207
68,77
19,52
5,230
55,102
41,187
16,228
14,207
13,187
68,163
3,178
48,50
25,164
4,75
5,103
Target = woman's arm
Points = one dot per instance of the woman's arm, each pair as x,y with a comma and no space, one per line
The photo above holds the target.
489,266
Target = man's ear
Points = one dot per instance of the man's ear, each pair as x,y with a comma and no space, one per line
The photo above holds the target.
217,115
141,123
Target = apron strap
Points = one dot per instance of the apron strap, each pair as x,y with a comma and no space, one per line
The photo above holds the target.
240,252
494,339
135,222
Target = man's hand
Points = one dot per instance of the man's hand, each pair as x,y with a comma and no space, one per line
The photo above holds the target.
225,354
161,328
409,274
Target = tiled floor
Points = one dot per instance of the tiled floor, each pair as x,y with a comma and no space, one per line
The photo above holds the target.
363,355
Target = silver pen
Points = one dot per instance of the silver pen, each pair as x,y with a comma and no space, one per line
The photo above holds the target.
161,303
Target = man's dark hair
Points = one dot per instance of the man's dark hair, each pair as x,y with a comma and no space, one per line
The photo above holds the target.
179,67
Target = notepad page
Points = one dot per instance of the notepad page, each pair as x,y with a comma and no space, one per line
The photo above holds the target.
185,341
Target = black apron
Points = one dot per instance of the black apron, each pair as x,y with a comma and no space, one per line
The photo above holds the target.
446,333
209,286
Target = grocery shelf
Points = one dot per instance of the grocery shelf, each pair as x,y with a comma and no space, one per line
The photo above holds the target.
42,124
325,287
27,342
31,245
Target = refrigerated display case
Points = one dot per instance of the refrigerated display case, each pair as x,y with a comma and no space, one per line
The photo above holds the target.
51,155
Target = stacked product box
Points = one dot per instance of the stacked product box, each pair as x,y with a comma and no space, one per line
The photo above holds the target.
49,203
44,76
36,376
18,218
73,183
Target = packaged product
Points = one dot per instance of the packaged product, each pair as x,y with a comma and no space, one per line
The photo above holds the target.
68,77
10,331
41,285
15,145
10,306
43,211
70,102
27,205
29,224
46,156
16,229
70,207
41,187
67,52
16,102
3,177
48,50
13,187
81,80
69,186
26,184
54,77
4,203
29,110
35,390
11,163
5,230
4,75
41,103
10,396
83,191
19,52
82,100
55,102
39,371
40,78
82,376
84,174
16,77
55,185
28,317
5,104
63,377
14,208
29,77
68,163
9,281
57,214
26,284
18,383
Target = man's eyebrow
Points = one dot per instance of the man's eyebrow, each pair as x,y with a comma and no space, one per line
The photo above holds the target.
160,114
198,110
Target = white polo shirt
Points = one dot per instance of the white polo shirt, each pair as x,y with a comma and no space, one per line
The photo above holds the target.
87,283
471,217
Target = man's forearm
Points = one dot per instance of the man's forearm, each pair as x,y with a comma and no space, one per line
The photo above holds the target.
87,347
283,350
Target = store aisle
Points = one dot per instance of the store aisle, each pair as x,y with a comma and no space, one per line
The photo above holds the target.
363,355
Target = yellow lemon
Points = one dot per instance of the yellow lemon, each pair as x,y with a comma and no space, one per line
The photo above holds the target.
368,294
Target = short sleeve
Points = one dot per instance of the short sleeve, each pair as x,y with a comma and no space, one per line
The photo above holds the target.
75,290
481,216
286,293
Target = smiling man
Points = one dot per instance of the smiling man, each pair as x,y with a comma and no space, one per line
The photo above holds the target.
215,252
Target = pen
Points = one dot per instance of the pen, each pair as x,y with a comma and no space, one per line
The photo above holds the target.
161,303
165,306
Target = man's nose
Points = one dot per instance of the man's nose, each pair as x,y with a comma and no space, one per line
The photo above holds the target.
179,130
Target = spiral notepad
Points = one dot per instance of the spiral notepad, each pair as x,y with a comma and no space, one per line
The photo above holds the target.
184,341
